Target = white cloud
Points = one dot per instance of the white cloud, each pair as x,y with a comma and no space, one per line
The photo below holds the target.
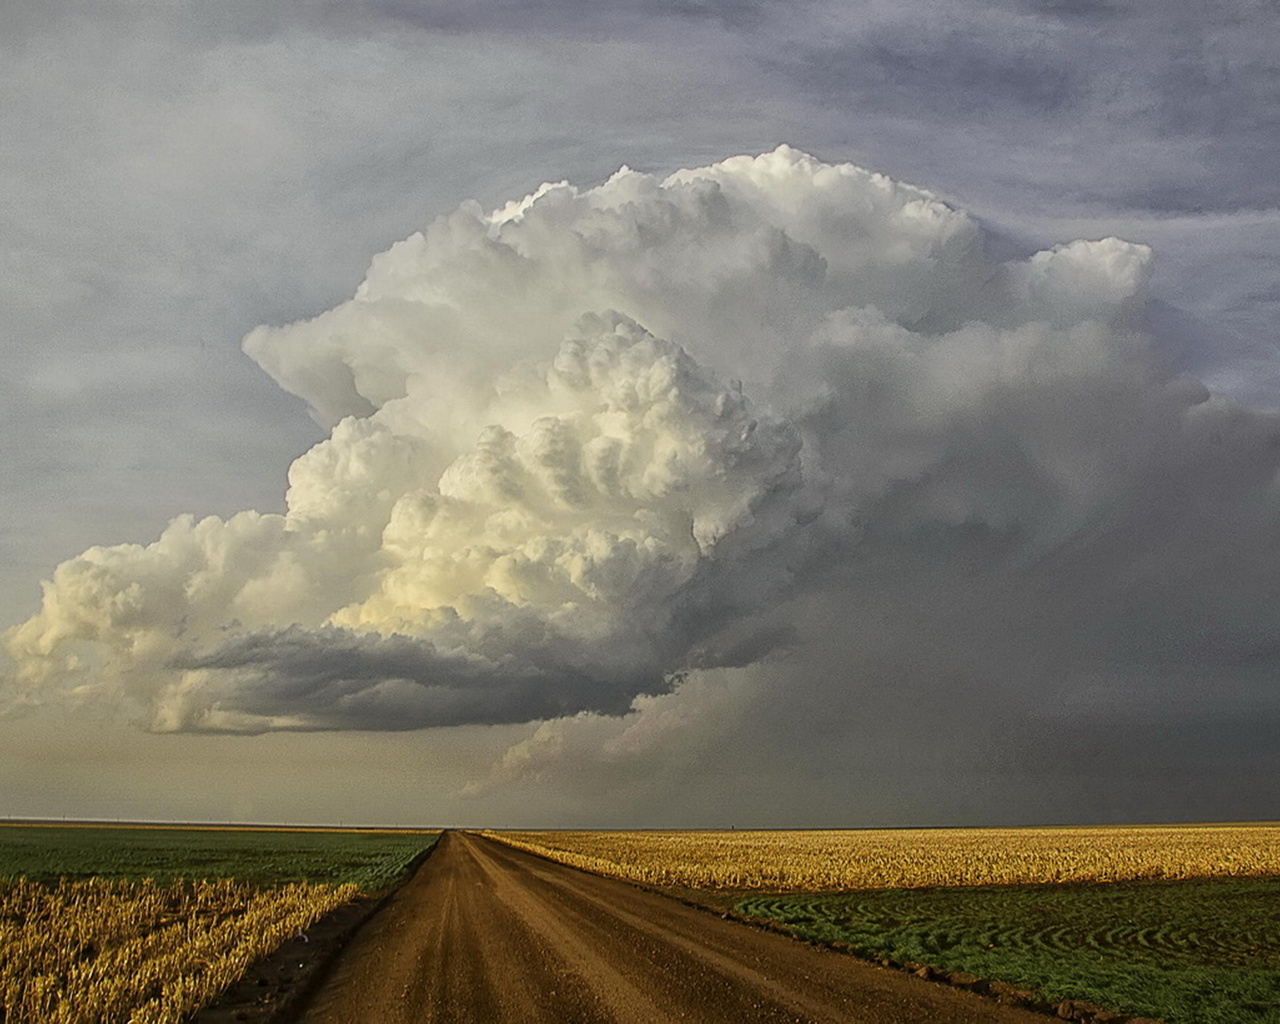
603,438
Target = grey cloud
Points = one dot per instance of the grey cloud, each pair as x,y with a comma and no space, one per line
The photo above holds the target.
1090,9
566,16
243,21
951,683
337,679
924,72
299,679
1150,106
743,643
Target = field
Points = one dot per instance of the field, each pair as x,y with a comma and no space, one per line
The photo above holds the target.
1186,952
370,859
141,952
486,932
831,861
145,925
1177,923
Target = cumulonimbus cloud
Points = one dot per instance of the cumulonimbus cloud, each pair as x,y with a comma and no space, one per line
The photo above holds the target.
590,440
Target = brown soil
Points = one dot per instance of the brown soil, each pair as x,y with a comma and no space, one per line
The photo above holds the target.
275,989
486,933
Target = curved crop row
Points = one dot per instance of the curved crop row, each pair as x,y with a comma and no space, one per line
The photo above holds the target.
1188,952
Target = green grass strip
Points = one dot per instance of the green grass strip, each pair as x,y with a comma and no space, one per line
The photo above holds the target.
1189,952
371,860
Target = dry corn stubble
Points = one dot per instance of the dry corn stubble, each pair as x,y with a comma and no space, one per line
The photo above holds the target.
107,952
833,860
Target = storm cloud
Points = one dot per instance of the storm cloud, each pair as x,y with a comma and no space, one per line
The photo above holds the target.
770,417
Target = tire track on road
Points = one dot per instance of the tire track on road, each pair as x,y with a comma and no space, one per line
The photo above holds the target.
487,933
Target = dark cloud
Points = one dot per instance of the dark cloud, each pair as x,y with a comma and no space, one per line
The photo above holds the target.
337,679
298,679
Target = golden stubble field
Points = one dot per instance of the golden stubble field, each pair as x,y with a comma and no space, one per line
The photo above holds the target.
113,950
834,860
144,924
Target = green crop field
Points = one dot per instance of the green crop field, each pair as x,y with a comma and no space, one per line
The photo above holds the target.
371,860
1187,952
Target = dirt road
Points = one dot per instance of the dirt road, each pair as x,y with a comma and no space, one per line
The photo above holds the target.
488,934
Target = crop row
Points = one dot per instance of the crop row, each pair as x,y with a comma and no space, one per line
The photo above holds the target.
828,861
105,951
1187,952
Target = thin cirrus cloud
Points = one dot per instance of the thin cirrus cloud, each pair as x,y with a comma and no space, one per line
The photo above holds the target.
594,441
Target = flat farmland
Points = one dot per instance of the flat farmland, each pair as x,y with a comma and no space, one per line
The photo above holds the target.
1176,923
1195,952
1096,925
485,932
105,924
840,859
368,858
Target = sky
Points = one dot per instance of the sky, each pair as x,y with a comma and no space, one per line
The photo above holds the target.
669,413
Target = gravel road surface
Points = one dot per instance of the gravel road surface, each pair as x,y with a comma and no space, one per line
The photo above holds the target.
489,934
